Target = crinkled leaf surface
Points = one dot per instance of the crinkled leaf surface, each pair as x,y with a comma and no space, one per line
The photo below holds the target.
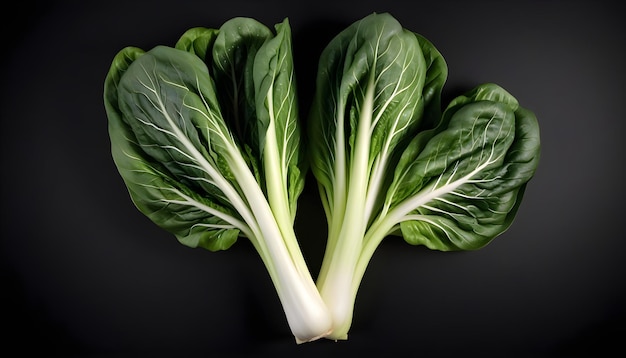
165,137
462,187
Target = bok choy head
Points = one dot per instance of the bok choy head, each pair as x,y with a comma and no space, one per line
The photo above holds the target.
389,161
206,138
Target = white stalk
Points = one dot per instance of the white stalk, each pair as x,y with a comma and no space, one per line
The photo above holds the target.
336,287
306,312
304,308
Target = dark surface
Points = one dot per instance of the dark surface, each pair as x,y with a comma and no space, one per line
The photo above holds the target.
85,274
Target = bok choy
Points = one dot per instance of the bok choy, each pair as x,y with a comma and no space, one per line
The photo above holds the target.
206,138
389,161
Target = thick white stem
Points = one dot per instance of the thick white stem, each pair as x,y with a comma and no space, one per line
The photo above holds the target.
304,308
305,311
336,289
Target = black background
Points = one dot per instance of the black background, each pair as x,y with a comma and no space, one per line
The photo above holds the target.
85,274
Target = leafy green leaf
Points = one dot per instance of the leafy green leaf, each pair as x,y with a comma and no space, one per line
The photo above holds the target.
161,180
436,76
232,62
277,115
198,41
463,187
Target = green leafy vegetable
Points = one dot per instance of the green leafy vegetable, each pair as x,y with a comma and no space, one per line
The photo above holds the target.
206,138
389,162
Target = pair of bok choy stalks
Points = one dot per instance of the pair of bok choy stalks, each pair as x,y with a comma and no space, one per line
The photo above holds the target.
208,140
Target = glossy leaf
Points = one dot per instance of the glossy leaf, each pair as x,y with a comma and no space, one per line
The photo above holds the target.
159,132
464,186
277,115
